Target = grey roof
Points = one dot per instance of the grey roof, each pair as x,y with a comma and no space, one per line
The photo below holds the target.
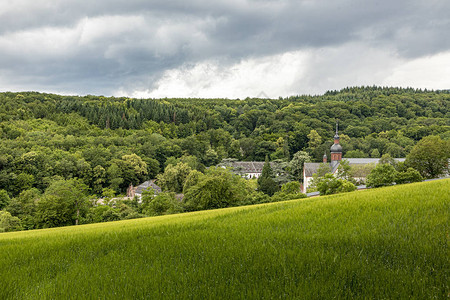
248,166
311,168
354,161
147,184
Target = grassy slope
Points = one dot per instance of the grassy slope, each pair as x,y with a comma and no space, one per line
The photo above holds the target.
384,243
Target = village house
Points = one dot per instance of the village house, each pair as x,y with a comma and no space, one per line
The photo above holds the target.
247,169
309,169
139,190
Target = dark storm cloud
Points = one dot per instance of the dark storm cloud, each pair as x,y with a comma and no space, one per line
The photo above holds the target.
103,45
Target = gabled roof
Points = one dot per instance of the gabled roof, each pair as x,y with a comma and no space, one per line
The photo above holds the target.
310,168
248,166
353,161
147,184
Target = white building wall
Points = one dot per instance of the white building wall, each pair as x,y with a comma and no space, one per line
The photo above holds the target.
306,183
252,175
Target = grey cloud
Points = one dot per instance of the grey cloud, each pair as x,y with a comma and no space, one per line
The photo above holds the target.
106,44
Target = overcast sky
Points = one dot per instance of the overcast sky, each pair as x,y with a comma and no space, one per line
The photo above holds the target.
221,48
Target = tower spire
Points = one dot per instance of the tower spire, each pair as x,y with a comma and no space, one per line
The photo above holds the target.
336,136
336,149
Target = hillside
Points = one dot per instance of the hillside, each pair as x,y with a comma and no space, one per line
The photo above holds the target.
383,243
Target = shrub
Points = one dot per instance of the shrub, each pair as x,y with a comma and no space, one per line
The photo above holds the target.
292,187
331,185
217,189
8,222
408,176
282,196
430,156
381,175
163,204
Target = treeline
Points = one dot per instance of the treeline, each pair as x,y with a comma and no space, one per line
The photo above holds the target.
109,143
115,142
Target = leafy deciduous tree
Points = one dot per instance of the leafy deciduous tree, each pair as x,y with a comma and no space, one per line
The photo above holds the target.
381,175
430,156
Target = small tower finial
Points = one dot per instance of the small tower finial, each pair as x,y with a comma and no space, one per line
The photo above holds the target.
336,136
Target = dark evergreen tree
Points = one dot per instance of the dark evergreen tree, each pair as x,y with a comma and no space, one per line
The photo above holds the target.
266,183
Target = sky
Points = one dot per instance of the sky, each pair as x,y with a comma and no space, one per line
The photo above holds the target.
222,48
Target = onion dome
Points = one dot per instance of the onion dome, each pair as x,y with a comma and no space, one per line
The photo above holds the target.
336,148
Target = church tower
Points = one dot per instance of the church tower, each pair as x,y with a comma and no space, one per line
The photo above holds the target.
336,149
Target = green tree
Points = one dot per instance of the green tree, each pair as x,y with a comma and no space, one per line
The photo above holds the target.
355,154
24,207
102,213
343,170
329,184
192,179
375,153
408,176
211,157
388,159
381,175
296,164
134,169
8,222
266,183
62,203
174,177
218,188
292,187
163,204
4,199
315,140
430,156
323,169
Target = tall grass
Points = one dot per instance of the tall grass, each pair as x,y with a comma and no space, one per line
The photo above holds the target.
384,243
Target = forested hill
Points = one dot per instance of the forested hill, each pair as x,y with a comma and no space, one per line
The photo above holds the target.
104,140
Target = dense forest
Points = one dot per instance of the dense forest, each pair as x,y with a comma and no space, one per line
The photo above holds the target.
108,143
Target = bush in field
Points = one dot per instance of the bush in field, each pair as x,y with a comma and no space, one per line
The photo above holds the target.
62,204
329,184
408,176
217,189
102,213
289,191
8,222
163,204
256,198
430,156
381,175
282,196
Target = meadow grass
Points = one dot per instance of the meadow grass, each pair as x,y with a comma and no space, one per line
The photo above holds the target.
387,243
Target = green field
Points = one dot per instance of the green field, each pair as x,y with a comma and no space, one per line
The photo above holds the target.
386,243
